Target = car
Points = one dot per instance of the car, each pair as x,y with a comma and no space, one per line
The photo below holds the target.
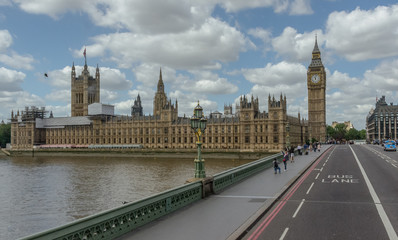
389,145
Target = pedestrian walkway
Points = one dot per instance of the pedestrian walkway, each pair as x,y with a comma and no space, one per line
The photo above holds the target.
226,214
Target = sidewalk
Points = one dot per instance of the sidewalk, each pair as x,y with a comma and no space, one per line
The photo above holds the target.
219,216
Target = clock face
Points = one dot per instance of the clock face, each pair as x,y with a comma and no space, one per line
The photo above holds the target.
315,78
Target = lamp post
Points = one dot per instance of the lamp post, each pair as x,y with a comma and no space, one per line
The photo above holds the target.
198,124
287,135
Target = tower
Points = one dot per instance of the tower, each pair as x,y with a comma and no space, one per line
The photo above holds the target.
162,107
85,90
136,109
160,97
316,84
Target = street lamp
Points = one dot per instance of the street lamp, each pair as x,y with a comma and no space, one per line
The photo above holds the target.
198,124
287,135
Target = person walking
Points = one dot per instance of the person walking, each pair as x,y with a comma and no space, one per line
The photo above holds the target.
291,154
276,166
285,159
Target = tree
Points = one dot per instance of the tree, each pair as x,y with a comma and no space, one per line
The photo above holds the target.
362,134
352,134
5,134
340,131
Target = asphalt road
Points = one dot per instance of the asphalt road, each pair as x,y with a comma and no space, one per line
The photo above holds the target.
350,192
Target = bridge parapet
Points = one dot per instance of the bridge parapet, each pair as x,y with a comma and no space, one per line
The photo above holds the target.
118,221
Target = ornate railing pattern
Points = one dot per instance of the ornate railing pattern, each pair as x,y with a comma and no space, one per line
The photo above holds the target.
234,175
115,222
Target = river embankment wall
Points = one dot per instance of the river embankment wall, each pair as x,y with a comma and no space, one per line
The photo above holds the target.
140,153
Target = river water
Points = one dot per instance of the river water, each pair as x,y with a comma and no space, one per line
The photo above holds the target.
38,193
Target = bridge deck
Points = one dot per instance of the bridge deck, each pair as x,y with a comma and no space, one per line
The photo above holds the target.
224,215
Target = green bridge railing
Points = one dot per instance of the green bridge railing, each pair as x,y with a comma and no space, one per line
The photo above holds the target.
234,175
118,221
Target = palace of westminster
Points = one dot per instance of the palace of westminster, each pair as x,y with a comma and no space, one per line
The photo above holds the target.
93,124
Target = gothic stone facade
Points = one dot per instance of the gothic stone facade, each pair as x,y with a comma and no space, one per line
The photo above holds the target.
247,130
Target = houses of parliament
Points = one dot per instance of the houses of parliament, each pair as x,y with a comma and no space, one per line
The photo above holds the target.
94,125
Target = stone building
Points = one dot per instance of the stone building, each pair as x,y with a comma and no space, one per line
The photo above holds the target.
247,129
136,109
381,122
85,90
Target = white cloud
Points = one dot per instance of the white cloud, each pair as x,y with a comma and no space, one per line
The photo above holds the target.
360,35
5,39
15,60
207,86
110,78
199,47
282,73
295,7
296,46
52,8
11,80
59,95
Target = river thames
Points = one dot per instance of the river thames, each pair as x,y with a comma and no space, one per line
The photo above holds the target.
38,193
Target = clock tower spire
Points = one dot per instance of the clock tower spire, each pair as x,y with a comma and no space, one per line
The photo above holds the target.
316,84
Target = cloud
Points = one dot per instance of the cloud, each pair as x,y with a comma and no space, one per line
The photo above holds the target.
5,39
360,35
59,96
11,80
219,86
199,47
295,7
51,8
15,60
296,46
111,79
282,73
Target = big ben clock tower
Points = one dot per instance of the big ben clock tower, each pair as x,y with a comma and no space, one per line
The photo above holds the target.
316,84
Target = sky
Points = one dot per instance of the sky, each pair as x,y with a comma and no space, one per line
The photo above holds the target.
214,51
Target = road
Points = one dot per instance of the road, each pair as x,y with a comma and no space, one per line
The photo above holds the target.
350,192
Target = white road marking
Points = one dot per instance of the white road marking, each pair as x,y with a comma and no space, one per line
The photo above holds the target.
317,176
309,189
298,209
321,169
384,218
284,234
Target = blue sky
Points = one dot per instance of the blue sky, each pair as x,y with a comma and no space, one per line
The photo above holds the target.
211,50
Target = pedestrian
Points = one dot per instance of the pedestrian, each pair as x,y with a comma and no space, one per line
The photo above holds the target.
276,166
299,150
285,159
314,146
319,146
305,148
291,154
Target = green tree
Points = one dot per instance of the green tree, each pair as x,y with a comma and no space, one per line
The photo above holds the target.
330,131
352,134
340,131
362,134
5,134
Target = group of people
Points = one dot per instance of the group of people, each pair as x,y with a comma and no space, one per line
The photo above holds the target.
287,154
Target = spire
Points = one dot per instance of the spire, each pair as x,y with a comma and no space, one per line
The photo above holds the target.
160,83
316,49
